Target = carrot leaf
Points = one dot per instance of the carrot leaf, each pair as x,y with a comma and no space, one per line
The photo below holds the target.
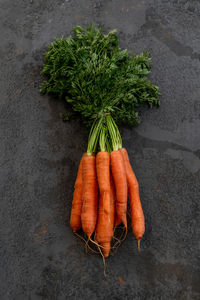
95,76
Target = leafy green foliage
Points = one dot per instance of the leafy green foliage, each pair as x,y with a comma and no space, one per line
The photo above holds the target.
96,77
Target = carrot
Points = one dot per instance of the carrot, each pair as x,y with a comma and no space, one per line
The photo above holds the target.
75,218
137,215
116,220
112,200
104,229
103,176
119,176
90,192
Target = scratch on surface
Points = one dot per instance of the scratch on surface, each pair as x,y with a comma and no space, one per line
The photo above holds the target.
189,160
158,30
186,134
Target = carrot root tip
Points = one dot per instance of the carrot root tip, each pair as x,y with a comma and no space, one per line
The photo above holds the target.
139,245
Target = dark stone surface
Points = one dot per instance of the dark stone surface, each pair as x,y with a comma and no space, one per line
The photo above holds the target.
39,155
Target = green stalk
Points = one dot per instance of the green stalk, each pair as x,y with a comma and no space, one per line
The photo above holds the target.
108,142
119,138
94,136
104,132
102,139
115,137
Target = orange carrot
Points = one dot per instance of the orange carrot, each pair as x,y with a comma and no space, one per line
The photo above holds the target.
90,192
116,220
112,200
103,176
104,229
75,218
137,216
119,176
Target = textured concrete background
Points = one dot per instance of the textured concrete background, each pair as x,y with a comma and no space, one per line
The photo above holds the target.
39,155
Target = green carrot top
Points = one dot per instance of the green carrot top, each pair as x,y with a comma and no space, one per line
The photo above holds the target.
96,77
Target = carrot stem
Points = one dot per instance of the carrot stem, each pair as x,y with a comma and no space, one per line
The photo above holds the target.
94,136
116,140
102,139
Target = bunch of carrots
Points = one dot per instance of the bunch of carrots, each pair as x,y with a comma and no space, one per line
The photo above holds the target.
105,85
103,182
